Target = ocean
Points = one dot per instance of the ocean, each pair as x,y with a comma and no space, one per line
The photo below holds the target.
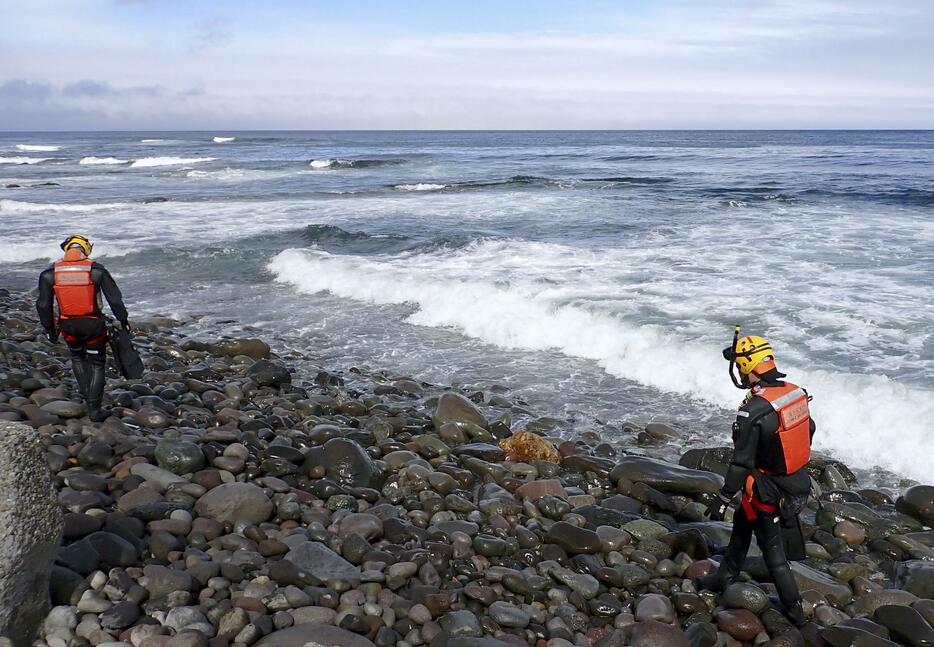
594,276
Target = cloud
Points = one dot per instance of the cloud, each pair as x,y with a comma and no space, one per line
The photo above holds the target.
210,32
668,64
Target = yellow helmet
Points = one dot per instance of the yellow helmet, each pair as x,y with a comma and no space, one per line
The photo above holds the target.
754,354
79,240
751,354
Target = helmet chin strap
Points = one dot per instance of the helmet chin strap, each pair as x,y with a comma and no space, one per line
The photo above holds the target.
739,382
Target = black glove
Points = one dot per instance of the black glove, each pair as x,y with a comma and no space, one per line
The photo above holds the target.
126,326
717,508
52,335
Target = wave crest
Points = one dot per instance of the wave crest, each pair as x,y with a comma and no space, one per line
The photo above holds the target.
36,148
23,160
101,161
146,162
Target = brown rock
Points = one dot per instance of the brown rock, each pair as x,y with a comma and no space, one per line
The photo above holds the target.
525,446
742,624
535,490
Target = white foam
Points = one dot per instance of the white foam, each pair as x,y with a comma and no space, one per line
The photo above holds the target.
147,162
26,252
865,420
36,148
321,163
23,160
93,161
421,186
153,141
16,206
223,140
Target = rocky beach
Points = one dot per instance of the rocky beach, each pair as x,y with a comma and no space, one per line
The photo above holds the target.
232,500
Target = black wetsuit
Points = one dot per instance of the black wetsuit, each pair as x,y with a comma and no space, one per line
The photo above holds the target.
756,447
86,336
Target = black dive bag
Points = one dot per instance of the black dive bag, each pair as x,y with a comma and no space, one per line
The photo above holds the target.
128,361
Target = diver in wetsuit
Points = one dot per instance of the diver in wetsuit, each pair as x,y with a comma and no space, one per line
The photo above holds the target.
771,446
76,283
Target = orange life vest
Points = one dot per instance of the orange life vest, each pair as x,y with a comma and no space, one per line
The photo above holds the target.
790,402
74,289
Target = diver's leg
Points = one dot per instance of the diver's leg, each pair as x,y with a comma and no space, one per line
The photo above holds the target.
769,536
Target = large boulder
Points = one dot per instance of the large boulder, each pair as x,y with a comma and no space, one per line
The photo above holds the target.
32,529
918,501
711,459
810,579
665,476
453,407
232,501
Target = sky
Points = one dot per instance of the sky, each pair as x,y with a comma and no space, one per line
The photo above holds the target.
550,64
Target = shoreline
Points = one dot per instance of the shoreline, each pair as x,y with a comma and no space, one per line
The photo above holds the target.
384,508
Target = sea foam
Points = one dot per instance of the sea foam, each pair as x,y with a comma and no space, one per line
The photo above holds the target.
22,160
865,420
147,162
36,148
101,161
223,140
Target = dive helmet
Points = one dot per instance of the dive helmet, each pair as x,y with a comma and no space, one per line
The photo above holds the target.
79,240
750,354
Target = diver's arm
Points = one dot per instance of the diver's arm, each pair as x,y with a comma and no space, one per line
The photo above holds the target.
112,293
745,444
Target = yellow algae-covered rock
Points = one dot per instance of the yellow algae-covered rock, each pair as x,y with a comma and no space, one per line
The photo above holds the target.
526,446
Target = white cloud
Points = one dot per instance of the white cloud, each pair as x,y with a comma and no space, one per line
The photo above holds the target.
775,63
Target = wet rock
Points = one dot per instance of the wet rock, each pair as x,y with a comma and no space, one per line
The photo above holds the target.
811,579
905,625
255,348
537,489
453,407
664,476
918,501
322,562
655,607
460,624
347,464
917,577
266,373
742,624
745,596
573,539
652,633
868,603
841,636
710,459
232,501
65,409
179,456
507,615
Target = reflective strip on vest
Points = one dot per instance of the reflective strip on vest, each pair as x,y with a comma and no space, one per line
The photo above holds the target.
788,398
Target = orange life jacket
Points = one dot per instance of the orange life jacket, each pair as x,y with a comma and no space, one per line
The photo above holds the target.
74,289
790,402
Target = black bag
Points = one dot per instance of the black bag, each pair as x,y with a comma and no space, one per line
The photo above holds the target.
128,361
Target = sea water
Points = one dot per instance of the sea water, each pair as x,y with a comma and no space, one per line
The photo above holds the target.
595,276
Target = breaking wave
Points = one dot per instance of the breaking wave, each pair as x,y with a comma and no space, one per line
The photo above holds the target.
36,148
147,162
101,161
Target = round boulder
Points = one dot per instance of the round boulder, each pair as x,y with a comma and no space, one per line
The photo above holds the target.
232,501
179,456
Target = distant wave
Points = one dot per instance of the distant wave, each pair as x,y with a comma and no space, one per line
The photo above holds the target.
95,161
23,160
421,186
223,140
345,163
898,196
36,148
16,206
153,141
146,162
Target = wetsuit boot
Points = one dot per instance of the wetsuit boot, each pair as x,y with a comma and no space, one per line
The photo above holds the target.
96,388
